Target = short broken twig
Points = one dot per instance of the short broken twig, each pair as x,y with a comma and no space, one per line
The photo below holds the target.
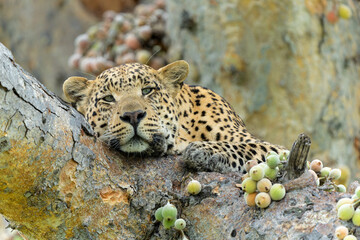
297,160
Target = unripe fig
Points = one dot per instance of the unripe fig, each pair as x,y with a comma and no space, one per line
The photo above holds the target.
263,165
262,200
335,174
341,232
248,185
346,212
74,60
86,64
249,164
180,224
316,165
344,11
357,192
273,161
356,217
132,41
169,212
145,32
345,175
256,173
343,201
325,172
194,187
250,199
92,32
340,188
271,173
158,214
277,192
168,222
82,41
264,185
350,237
126,26
143,56
270,153
284,155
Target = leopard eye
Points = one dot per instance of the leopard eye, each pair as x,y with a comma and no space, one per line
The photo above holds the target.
109,98
146,91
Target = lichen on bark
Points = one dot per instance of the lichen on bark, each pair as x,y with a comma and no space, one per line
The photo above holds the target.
58,182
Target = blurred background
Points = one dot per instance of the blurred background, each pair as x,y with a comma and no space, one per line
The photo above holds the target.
287,67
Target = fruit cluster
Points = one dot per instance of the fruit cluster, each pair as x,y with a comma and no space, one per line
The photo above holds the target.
257,185
349,208
343,11
124,38
326,176
167,215
342,232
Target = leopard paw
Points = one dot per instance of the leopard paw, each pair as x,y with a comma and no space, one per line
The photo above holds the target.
201,158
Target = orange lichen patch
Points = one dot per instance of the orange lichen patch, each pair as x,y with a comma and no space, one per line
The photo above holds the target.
67,180
316,6
216,190
20,169
114,196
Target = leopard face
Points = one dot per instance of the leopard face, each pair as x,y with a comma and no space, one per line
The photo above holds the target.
131,107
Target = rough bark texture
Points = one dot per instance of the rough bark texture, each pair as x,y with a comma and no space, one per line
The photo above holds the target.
298,156
280,64
58,182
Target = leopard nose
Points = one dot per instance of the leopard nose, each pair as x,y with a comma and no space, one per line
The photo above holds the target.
133,117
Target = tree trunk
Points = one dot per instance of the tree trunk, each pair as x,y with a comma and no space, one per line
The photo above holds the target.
284,67
58,182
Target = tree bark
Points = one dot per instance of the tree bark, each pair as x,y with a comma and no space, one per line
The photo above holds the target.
298,156
281,64
58,182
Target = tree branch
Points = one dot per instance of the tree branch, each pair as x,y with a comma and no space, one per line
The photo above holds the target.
58,182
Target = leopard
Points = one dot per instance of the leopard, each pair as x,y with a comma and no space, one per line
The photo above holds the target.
142,112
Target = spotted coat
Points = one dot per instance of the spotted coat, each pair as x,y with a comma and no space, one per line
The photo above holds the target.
141,111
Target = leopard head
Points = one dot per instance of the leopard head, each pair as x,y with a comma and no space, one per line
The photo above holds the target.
131,107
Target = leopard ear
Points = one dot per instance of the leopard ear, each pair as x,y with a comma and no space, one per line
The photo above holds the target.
173,76
75,90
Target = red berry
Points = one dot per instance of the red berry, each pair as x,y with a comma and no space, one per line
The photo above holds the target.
132,41
332,17
74,60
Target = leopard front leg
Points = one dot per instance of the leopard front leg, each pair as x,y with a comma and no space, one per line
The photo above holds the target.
202,156
225,156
